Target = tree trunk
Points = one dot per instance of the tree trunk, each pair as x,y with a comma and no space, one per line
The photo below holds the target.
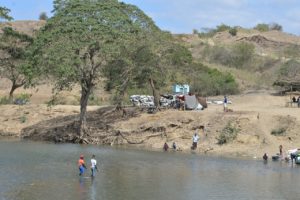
155,94
85,93
13,88
121,93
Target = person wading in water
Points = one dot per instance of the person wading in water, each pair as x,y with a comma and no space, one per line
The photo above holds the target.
81,165
93,166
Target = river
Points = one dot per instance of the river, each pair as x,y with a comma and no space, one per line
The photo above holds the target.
42,171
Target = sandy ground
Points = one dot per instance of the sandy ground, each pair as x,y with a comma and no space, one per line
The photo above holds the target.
254,115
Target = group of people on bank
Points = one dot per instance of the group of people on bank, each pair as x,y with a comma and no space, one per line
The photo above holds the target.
195,140
291,155
82,167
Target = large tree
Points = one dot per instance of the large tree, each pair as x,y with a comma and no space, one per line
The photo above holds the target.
158,58
152,60
13,46
289,75
82,38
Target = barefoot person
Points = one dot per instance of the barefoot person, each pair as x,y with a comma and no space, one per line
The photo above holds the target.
81,165
93,166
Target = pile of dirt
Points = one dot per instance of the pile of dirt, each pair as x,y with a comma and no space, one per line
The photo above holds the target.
265,43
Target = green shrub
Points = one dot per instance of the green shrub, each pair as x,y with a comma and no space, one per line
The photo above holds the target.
228,134
96,101
262,27
288,71
232,31
23,119
220,55
222,27
242,53
56,99
238,55
292,51
210,32
275,26
268,27
43,16
209,82
24,97
279,131
4,100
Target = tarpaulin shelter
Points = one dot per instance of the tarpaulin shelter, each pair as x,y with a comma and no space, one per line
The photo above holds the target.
191,102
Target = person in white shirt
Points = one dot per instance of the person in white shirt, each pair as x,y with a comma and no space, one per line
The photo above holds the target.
195,140
293,153
93,166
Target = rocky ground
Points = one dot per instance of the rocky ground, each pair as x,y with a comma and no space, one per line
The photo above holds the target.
246,128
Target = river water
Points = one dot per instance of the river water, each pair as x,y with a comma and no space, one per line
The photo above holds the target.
41,171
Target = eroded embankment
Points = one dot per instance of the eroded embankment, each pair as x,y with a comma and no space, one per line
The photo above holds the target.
232,133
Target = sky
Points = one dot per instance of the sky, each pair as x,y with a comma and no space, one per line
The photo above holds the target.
183,16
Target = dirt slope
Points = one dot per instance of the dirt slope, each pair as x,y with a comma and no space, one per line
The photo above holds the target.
254,115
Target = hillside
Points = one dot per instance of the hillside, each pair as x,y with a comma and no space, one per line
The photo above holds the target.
271,50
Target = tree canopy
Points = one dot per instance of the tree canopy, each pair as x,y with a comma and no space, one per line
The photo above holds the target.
43,16
289,75
154,59
82,38
13,47
4,13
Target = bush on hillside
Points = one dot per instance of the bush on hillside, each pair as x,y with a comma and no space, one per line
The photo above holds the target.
232,31
228,134
292,51
268,27
261,64
275,26
210,32
242,53
210,82
217,54
262,27
239,55
222,28
290,69
288,75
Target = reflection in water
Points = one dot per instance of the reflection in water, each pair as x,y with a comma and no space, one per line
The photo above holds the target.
93,189
48,171
87,188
